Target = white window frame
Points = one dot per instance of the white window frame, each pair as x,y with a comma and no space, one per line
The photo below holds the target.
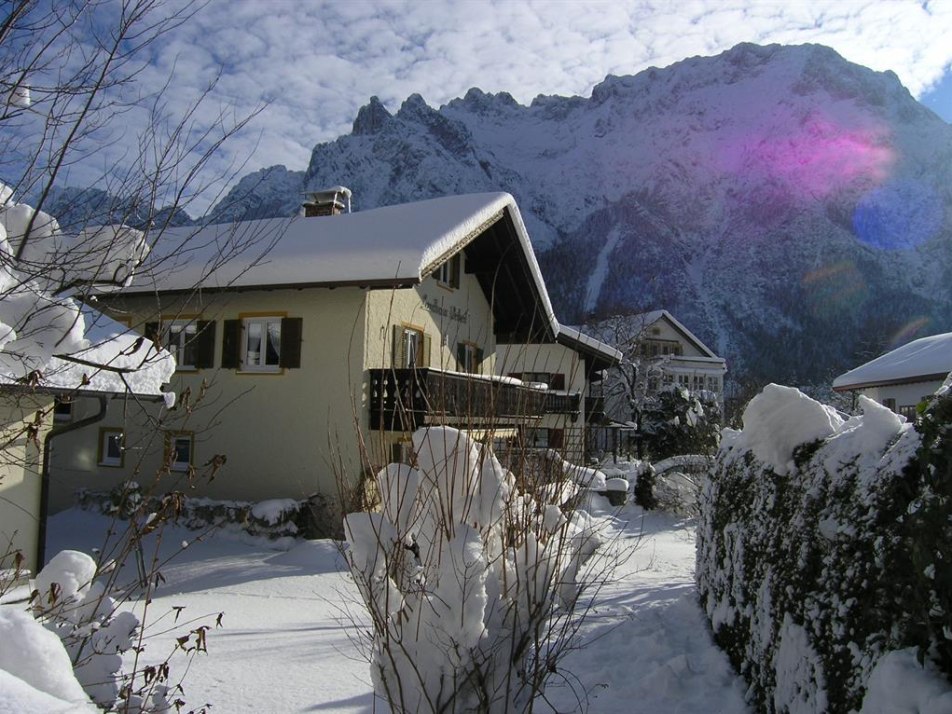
176,335
448,274
471,363
109,436
251,360
174,439
413,345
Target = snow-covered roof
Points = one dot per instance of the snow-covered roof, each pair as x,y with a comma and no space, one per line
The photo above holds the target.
118,360
925,359
576,339
390,245
647,319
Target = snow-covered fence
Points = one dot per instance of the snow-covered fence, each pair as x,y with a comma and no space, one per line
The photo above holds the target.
826,543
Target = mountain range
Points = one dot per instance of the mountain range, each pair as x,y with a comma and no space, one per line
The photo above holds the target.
793,209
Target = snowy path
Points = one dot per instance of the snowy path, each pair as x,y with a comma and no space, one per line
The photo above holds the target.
286,644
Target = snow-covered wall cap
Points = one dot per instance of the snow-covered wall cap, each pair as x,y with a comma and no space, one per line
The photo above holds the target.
925,359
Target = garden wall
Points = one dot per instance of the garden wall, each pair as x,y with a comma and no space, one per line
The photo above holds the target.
825,543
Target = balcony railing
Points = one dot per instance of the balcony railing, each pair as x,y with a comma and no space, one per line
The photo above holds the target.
562,403
404,399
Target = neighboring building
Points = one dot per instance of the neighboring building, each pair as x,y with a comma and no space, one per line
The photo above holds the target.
35,414
571,369
309,349
902,378
674,355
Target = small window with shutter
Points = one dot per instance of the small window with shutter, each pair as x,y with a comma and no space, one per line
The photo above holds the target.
411,347
190,340
262,343
469,358
448,274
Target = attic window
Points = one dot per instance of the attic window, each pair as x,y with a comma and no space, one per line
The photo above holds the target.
448,274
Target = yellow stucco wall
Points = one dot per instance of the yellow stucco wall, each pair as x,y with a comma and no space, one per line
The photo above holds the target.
20,473
285,435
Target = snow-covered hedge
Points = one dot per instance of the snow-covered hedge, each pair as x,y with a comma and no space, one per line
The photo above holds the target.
825,543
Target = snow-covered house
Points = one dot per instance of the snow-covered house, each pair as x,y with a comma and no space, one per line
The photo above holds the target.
571,368
309,348
903,377
675,355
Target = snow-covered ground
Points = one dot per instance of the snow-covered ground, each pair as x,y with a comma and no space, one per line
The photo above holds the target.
290,630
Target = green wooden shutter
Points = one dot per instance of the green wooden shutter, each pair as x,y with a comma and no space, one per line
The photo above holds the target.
231,344
291,330
556,439
152,332
460,357
205,344
399,358
425,351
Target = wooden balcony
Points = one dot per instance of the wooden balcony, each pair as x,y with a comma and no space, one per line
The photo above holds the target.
404,399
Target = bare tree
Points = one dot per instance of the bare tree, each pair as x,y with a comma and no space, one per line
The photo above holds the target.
71,99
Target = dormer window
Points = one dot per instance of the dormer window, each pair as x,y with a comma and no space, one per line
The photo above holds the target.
448,274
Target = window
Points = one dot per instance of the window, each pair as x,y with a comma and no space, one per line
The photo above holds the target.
890,404
179,451
411,347
261,349
191,341
62,409
111,447
262,343
448,274
470,358
684,380
536,438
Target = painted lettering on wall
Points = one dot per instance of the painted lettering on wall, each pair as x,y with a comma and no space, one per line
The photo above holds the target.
451,313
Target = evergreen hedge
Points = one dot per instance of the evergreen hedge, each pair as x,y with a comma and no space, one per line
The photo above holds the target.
810,576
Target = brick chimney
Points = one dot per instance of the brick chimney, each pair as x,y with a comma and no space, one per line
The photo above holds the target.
329,202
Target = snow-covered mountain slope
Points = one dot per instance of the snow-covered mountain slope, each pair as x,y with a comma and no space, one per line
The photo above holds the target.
793,209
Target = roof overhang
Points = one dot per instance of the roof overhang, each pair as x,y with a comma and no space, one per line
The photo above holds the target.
917,379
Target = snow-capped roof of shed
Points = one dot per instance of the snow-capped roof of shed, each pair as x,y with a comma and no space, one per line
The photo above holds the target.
117,361
388,247
924,360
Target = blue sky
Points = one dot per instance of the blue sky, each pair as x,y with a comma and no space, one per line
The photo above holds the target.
315,62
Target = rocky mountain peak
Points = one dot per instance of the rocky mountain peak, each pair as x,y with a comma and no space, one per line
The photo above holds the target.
371,118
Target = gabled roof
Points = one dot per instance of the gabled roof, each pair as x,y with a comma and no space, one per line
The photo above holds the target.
647,319
924,360
389,247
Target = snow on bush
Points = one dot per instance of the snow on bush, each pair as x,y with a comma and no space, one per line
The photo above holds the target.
70,603
35,671
824,543
470,583
39,264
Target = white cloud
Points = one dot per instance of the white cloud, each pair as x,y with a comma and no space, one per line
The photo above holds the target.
316,63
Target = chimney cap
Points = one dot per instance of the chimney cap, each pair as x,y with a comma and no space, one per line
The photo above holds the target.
328,201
